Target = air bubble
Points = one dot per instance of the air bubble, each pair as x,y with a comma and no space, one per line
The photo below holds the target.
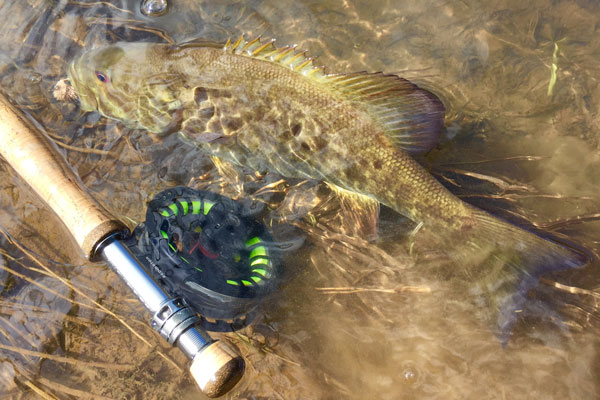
34,78
154,8
411,374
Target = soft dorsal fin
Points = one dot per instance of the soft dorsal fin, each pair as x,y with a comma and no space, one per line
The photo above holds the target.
412,117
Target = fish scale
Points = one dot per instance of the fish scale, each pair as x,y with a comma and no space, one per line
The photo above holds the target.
270,109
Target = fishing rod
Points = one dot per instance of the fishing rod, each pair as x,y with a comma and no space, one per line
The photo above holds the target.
216,366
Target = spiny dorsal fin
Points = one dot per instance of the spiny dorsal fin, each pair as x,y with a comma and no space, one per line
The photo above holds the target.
412,117
286,56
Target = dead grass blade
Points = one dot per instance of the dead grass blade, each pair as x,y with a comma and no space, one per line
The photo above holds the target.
67,360
39,392
80,394
79,292
350,290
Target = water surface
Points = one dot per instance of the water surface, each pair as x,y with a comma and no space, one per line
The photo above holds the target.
360,315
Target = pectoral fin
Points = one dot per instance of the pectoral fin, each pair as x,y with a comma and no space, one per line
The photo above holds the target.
359,214
159,104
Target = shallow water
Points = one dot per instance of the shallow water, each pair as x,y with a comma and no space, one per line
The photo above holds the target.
355,318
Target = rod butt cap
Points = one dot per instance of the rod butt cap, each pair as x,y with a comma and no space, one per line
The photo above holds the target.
217,368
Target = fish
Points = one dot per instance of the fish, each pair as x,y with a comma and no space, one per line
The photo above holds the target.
271,109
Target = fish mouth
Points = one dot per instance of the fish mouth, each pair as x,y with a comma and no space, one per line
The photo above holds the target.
76,91
73,95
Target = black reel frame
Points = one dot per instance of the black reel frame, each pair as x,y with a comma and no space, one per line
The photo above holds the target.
208,249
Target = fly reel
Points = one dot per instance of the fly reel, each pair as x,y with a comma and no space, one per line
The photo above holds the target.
208,249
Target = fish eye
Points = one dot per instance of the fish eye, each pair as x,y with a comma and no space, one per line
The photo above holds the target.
101,77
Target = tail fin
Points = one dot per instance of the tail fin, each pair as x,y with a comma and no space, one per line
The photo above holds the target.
511,262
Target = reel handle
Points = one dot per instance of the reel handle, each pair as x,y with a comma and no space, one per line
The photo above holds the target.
37,161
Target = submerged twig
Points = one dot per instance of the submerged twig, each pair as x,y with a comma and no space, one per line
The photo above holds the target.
271,351
103,153
39,392
11,338
122,22
270,187
67,360
80,394
492,160
500,183
43,312
334,382
553,69
81,293
350,243
350,290
571,221
570,289
33,282
246,340
96,3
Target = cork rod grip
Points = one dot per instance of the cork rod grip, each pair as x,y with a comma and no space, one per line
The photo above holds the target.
38,162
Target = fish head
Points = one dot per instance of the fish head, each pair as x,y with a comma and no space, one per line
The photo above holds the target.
107,78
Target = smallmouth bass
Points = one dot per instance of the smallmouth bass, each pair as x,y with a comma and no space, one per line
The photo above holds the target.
270,109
